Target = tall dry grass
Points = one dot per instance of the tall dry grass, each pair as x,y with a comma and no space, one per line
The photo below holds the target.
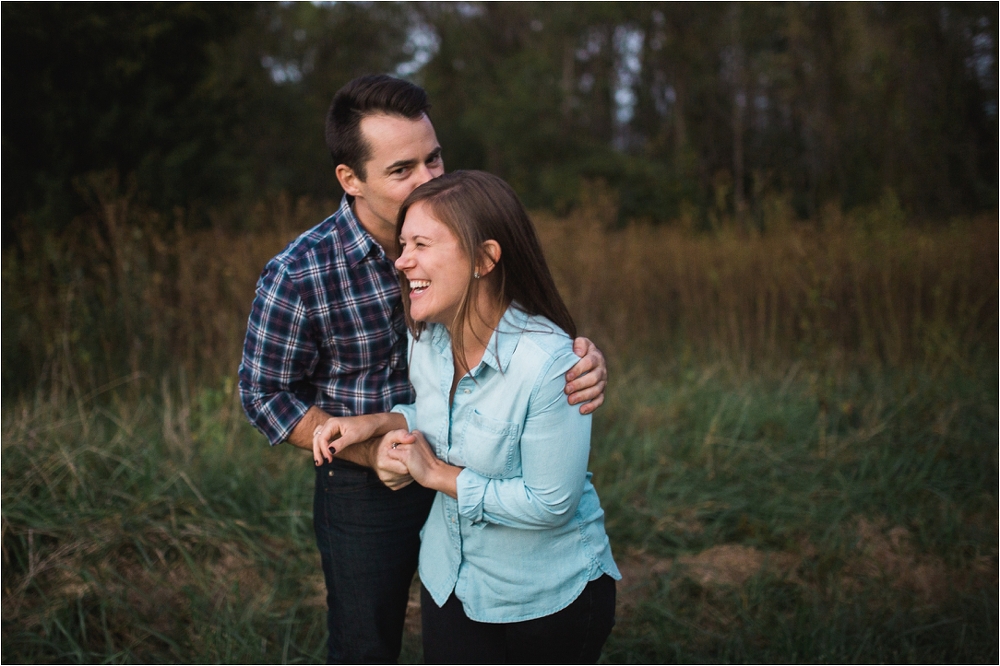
891,296
126,294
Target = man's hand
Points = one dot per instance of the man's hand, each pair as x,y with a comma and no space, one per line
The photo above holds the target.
586,381
392,472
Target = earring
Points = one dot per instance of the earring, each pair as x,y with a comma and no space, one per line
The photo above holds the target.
476,275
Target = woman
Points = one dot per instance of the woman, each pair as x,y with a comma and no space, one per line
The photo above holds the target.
514,560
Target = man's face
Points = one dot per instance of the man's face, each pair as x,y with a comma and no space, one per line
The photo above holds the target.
404,155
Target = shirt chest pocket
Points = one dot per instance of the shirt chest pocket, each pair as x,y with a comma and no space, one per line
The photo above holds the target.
491,447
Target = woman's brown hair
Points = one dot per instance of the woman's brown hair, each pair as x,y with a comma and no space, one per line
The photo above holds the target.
478,207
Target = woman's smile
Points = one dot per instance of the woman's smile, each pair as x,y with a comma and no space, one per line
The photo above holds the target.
435,265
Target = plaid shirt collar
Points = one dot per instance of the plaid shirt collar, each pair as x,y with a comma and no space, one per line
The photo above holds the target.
358,244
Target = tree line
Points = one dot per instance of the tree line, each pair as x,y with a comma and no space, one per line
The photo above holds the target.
667,107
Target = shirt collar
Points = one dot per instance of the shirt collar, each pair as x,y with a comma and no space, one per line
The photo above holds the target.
357,243
502,342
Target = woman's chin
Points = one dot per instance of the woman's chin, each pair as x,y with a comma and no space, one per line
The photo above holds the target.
422,317
426,315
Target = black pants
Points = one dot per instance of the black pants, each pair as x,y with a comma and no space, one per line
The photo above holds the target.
574,635
369,539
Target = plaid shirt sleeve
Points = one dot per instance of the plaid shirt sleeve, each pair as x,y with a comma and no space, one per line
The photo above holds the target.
279,355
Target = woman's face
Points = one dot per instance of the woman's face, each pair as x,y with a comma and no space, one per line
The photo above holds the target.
435,265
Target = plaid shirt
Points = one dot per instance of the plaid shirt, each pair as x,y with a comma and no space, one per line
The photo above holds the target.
326,329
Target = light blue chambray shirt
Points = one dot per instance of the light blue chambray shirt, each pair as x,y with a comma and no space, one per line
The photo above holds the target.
526,534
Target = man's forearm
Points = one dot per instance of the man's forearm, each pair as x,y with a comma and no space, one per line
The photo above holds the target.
302,433
361,453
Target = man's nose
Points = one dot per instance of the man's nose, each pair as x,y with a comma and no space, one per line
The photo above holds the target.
425,173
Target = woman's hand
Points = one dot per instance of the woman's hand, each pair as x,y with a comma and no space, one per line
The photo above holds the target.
390,470
339,432
425,467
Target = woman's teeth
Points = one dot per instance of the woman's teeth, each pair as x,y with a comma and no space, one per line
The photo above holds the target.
419,285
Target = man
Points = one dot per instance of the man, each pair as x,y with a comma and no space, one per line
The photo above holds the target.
326,337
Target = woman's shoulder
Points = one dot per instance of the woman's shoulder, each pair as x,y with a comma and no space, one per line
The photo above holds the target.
541,342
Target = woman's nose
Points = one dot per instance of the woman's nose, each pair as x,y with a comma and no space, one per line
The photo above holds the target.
403,260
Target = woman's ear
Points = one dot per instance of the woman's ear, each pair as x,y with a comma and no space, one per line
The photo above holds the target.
489,256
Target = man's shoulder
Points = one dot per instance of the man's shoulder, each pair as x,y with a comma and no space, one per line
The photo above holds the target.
319,248
320,239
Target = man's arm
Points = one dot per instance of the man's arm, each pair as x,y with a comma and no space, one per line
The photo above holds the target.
586,381
277,352
366,454
340,432
361,453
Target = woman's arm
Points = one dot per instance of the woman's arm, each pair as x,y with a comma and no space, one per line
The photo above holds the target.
414,451
554,447
339,432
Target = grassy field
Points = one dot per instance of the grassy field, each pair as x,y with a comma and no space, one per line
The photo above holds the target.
789,515
798,456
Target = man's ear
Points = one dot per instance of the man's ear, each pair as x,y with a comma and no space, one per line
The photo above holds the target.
489,257
348,180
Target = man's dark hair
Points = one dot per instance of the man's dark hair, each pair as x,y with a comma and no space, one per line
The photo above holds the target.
366,96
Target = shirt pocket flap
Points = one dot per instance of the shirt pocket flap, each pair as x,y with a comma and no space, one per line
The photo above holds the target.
490,446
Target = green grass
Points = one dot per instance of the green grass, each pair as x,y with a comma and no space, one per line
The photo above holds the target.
852,514
788,513
771,460
146,532
770,621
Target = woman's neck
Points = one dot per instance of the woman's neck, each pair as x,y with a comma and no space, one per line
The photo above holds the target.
478,328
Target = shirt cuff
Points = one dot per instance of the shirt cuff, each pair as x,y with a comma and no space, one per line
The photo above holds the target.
278,417
471,490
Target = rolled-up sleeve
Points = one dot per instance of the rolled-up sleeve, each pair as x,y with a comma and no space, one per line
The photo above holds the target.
554,447
279,352
409,413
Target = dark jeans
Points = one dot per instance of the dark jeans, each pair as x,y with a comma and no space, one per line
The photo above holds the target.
369,540
574,635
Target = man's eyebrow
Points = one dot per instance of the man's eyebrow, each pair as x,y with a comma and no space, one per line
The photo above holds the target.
409,163
400,163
